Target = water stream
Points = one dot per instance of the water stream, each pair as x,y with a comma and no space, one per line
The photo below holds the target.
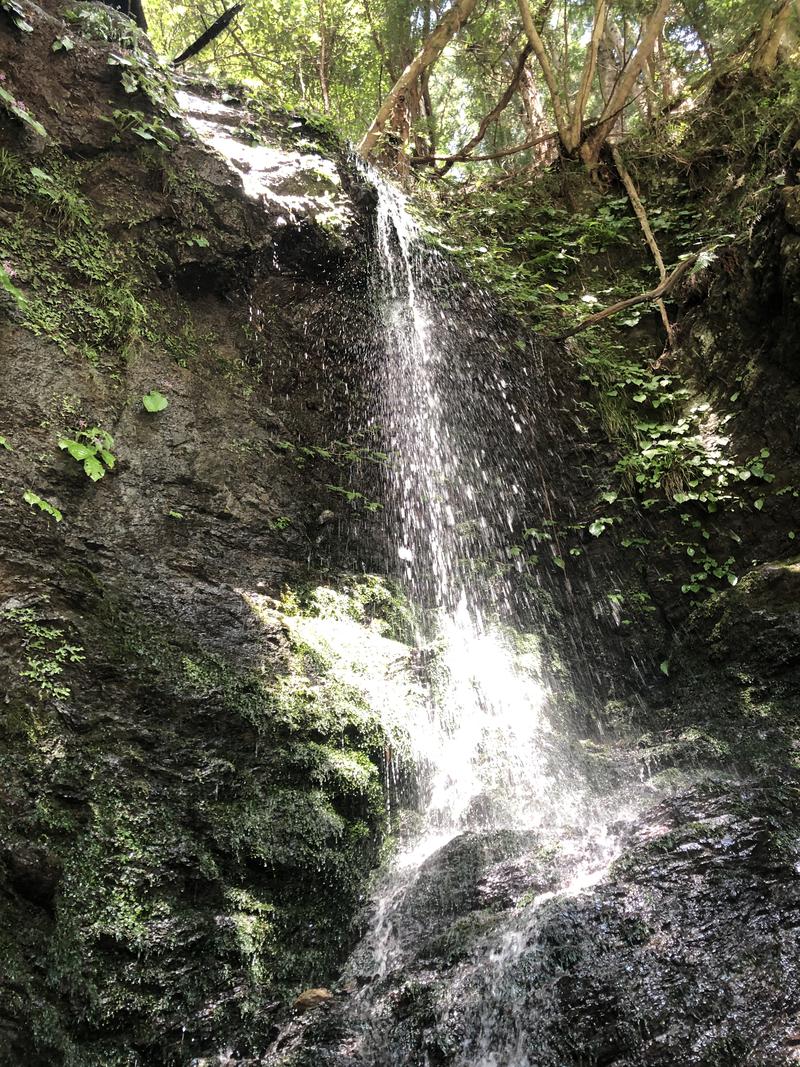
485,757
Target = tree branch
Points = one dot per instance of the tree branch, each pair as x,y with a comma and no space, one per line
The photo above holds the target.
450,23
487,120
644,222
500,154
660,291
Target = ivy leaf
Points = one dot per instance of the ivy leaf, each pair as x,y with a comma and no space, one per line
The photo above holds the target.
609,497
94,468
759,504
597,527
664,667
154,401
64,44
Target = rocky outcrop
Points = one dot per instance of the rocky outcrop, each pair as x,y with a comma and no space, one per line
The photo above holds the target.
685,951
191,795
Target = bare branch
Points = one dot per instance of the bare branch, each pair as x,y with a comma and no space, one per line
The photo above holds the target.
658,293
500,154
644,222
491,117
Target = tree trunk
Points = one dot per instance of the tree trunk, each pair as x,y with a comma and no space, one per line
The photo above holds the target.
539,50
324,57
589,67
593,144
774,24
534,118
408,82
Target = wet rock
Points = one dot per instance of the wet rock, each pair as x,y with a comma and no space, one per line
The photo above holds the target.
652,964
312,998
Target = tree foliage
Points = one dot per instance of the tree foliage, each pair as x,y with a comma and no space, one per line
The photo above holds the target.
422,81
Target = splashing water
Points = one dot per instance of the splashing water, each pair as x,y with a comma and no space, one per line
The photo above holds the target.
445,494
458,443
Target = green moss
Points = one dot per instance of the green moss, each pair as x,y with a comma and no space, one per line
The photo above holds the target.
214,833
83,287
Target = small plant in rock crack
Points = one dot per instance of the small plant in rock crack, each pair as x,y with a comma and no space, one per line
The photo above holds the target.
92,448
46,652
43,505
17,15
20,110
353,497
148,129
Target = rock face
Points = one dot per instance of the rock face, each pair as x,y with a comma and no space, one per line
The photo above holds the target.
684,952
192,782
190,796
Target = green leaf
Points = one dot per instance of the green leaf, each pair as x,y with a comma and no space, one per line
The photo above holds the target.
664,667
759,504
559,562
609,497
597,527
8,285
63,44
108,458
4,444
154,401
42,175
76,449
94,468
175,515
43,505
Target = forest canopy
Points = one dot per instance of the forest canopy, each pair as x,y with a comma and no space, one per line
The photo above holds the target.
507,84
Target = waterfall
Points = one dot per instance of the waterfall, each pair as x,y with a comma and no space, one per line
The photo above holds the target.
461,449
458,407
450,513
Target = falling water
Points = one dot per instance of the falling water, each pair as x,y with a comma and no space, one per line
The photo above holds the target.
460,446
451,512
